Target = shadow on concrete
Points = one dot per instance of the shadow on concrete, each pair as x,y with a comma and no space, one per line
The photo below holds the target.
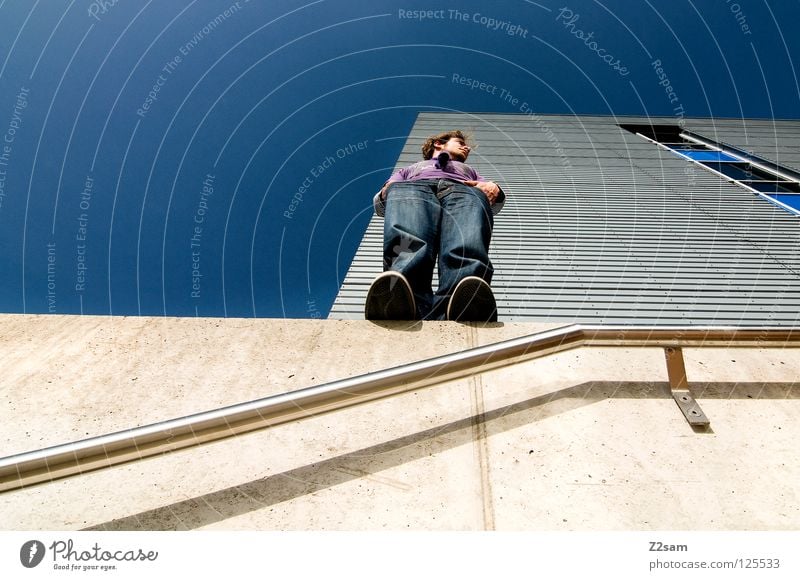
417,325
256,495
401,325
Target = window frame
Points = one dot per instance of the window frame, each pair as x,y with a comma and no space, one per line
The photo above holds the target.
695,142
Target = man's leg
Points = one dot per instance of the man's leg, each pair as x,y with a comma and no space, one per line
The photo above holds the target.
411,237
466,231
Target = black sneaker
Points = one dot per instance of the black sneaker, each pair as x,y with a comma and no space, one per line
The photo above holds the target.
472,301
390,298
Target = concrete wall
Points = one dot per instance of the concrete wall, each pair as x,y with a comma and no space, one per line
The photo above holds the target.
583,440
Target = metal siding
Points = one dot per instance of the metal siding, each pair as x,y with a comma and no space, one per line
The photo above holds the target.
603,227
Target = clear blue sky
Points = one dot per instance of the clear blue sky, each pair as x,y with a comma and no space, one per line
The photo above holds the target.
218,158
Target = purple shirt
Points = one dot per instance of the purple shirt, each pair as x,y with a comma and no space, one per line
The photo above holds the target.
429,169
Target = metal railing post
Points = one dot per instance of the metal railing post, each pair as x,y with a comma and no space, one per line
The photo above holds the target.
679,386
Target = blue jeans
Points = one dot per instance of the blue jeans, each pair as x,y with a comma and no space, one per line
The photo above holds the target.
436,218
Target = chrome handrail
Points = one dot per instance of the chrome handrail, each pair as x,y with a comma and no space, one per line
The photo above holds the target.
51,463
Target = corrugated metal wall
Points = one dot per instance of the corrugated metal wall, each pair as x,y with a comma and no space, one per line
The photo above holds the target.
604,227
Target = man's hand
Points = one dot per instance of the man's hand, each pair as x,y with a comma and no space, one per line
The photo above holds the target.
489,188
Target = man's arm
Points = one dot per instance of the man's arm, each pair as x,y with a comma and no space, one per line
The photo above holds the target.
379,201
493,192
378,204
489,188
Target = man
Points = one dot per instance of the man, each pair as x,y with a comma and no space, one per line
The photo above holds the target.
439,208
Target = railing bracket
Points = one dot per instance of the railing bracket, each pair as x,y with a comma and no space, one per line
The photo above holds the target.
679,386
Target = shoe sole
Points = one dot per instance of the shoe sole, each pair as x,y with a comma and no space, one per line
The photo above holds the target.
472,301
390,298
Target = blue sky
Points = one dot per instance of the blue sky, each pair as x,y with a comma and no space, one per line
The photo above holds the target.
218,158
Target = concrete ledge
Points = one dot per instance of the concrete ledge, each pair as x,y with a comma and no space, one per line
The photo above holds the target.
582,440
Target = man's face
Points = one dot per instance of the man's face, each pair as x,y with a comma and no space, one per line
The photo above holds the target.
456,147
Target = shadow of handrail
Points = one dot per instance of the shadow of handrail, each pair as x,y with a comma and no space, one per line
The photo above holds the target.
262,493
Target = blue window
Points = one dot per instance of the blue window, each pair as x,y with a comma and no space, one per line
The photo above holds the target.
706,155
790,200
769,180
